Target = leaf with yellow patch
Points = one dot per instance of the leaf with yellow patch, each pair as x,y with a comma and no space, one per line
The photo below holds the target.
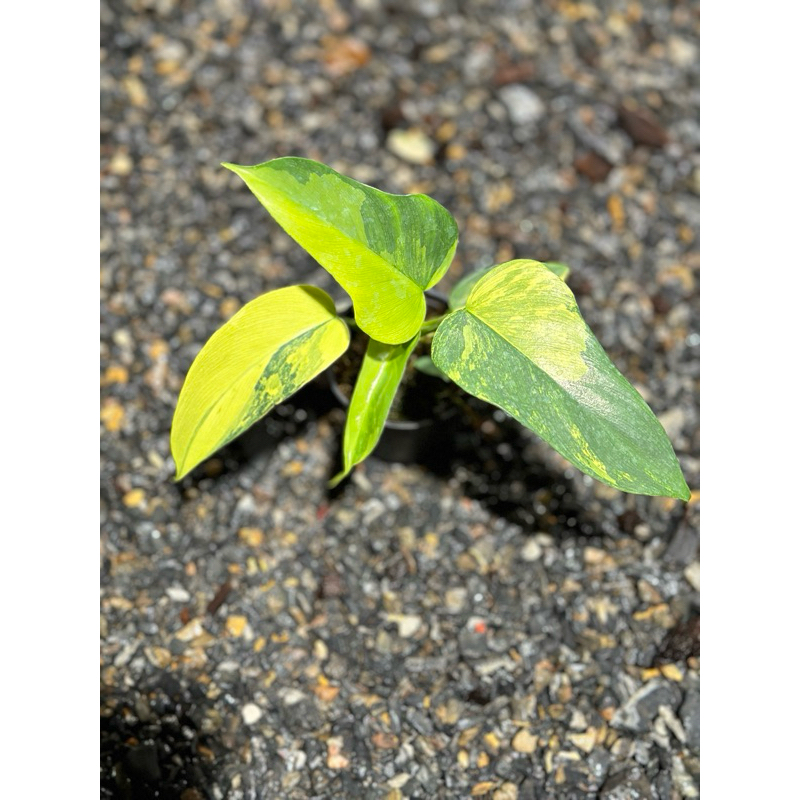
384,249
262,355
460,292
521,343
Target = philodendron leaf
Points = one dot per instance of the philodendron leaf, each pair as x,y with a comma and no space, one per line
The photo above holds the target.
460,292
260,356
375,388
425,365
384,249
557,268
521,343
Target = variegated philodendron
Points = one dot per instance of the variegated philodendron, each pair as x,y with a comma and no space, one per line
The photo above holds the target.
512,336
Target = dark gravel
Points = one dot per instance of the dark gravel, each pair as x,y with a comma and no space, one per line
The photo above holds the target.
488,622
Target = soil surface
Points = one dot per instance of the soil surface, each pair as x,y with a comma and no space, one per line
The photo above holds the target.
485,623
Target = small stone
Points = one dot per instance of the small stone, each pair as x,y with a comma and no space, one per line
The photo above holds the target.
642,706
498,196
251,714
626,785
524,741
616,210
292,697
592,166
681,52
326,692
253,537
672,722
456,151
112,414
133,498
491,665
506,791
593,556
690,717
191,630
648,593
692,575
641,126
399,780
235,625
121,164
158,656
584,741
531,550
671,672
385,741
336,759
344,55
482,788
178,594
455,599
411,145
682,780
578,721
450,712
114,374
407,624
137,94
524,106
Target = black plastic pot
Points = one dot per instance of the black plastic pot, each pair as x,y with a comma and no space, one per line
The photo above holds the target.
405,441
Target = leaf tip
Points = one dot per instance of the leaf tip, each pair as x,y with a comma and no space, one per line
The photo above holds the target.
180,471
238,169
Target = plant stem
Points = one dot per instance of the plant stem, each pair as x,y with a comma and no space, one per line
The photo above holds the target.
430,325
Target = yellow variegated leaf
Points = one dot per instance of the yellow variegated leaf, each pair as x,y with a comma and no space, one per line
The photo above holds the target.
520,342
375,388
262,355
460,292
384,249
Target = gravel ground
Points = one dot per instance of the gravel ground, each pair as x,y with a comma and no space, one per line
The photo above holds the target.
490,623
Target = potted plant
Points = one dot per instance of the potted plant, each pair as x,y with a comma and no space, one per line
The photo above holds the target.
512,335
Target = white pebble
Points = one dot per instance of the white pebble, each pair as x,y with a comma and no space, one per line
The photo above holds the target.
251,714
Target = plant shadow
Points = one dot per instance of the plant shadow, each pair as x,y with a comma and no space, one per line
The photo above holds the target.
152,742
500,465
495,461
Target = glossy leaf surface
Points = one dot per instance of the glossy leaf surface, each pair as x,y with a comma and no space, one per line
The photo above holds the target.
521,343
460,292
384,249
376,386
262,355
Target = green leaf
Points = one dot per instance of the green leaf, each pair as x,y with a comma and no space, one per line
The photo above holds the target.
520,343
557,268
460,292
384,249
425,365
264,353
375,388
